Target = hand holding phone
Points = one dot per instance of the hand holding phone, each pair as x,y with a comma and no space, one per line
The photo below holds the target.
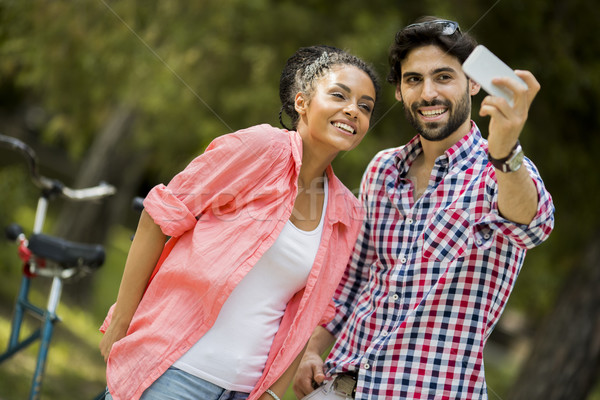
482,66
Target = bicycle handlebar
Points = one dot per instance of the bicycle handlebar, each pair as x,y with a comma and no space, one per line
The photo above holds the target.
91,193
53,185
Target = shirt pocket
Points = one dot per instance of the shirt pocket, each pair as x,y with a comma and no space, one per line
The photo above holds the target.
446,236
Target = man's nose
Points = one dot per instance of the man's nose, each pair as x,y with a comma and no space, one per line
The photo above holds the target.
429,90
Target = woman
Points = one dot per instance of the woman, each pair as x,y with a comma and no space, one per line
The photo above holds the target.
261,230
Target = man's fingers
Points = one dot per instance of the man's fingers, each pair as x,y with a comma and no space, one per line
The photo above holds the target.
303,384
532,83
309,376
318,374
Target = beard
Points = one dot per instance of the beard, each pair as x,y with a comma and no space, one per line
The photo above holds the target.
436,131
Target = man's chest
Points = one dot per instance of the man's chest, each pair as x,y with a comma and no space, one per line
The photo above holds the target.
401,225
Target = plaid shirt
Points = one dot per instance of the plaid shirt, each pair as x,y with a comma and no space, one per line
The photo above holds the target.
428,280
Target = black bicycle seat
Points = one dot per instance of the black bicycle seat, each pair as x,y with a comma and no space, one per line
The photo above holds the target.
65,253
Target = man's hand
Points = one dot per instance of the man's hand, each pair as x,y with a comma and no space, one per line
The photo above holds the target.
506,122
517,194
310,371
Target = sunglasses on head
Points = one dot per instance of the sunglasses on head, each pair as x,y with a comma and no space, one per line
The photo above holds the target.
445,26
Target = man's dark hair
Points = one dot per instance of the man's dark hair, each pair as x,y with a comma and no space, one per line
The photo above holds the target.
427,31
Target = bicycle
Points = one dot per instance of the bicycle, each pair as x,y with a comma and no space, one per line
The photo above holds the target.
47,256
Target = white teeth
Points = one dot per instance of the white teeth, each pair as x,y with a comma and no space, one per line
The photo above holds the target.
432,113
343,126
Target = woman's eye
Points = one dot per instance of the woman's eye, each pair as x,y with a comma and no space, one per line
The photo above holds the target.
365,107
338,95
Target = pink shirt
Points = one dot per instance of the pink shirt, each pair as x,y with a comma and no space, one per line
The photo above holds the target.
226,209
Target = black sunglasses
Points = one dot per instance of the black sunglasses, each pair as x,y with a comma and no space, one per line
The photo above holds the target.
445,26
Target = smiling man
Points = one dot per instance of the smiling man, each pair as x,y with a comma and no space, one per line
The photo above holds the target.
449,218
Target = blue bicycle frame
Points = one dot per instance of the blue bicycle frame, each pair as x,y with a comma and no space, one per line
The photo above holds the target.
47,256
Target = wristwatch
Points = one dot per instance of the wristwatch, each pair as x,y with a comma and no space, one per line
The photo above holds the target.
510,163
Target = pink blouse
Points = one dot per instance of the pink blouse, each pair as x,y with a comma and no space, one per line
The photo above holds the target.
225,210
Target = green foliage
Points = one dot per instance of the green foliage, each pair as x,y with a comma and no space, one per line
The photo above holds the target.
194,70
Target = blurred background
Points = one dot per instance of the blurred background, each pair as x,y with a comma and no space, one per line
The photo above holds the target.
130,91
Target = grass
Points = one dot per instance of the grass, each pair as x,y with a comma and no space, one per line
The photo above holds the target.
74,366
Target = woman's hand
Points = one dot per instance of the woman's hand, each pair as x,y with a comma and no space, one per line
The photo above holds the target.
113,334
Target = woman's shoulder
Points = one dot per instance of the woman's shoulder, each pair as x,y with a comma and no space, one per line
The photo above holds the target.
259,139
263,133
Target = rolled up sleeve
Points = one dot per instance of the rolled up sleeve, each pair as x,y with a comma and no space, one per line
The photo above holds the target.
523,236
168,211
222,175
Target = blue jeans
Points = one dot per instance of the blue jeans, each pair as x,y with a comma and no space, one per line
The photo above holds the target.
176,384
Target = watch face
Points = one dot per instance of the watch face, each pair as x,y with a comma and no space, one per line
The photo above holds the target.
516,161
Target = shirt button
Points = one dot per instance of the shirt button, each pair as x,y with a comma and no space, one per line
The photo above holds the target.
403,260
479,242
384,333
366,366
486,236
394,297
409,221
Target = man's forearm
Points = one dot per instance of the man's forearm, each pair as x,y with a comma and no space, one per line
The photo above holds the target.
319,341
517,196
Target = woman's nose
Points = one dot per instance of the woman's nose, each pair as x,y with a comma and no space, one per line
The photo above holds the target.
351,110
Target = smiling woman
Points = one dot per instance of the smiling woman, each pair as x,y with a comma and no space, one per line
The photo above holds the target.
251,220
343,99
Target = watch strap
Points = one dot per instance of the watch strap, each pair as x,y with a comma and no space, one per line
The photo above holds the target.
503,163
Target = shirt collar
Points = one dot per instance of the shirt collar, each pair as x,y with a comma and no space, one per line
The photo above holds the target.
465,147
461,150
340,207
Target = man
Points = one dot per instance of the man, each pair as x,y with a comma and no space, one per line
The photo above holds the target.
449,219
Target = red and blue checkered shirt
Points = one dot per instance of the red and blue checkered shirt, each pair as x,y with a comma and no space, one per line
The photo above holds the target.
428,280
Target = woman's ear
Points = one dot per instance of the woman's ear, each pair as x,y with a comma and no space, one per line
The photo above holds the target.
300,103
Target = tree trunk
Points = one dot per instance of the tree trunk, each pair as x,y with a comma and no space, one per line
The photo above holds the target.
88,222
565,360
109,159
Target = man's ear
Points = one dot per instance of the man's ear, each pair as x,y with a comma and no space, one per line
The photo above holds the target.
398,93
300,103
474,87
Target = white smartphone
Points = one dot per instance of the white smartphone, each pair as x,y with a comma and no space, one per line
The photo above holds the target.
482,66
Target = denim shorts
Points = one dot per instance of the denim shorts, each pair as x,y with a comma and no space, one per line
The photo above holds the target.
176,384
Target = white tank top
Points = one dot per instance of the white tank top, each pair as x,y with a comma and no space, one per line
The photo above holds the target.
233,353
